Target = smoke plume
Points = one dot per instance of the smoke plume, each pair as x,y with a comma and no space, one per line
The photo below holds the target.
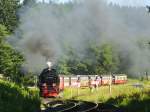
46,27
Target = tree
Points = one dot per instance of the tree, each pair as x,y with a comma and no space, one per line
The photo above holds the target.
29,3
8,13
109,58
62,66
94,59
28,79
3,33
10,59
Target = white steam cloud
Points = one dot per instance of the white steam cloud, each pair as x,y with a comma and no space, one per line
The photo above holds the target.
45,28
129,3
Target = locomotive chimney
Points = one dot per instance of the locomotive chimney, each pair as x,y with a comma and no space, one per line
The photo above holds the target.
49,63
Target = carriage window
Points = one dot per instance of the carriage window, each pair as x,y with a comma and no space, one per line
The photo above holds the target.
116,78
106,78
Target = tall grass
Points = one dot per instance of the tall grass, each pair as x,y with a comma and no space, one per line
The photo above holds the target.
14,98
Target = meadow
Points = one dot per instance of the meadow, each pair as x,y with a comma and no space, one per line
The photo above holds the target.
133,96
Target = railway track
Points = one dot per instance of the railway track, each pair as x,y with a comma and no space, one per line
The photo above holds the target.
60,106
84,106
79,106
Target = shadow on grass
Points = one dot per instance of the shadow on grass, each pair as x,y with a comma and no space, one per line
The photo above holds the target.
138,102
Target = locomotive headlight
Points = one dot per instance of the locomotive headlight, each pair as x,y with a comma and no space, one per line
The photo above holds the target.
44,84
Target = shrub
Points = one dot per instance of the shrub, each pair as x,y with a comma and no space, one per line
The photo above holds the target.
14,98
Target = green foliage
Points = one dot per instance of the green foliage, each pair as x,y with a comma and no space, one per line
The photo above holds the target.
28,80
62,66
29,2
109,58
17,99
10,59
3,33
8,13
97,59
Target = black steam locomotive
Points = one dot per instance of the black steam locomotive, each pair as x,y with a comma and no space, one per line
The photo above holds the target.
49,83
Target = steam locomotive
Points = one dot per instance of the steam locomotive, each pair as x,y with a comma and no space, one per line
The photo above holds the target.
49,83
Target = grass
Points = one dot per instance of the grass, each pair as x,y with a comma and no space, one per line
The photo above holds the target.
126,96
14,98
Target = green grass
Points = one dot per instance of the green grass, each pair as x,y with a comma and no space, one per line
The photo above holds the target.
14,98
125,96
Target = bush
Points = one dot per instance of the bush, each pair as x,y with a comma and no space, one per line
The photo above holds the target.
14,98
